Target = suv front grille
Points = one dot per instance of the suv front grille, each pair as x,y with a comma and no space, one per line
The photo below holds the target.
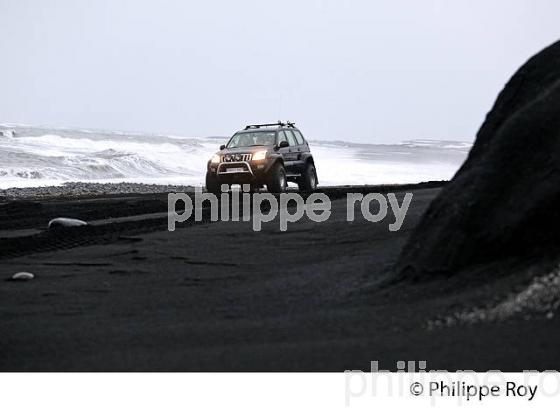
236,157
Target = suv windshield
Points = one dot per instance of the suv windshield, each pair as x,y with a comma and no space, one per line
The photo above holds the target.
250,139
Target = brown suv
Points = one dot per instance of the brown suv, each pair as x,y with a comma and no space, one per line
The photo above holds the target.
263,154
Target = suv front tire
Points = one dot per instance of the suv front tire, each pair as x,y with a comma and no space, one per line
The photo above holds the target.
277,179
212,183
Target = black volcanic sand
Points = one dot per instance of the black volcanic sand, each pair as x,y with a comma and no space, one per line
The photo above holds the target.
219,296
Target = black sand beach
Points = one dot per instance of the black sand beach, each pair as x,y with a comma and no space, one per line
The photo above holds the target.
131,296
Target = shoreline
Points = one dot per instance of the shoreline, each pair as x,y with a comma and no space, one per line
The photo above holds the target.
88,189
94,189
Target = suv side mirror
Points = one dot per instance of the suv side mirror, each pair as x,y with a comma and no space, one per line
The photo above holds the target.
283,144
222,147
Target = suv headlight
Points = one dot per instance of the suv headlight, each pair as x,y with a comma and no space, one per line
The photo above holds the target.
215,159
259,155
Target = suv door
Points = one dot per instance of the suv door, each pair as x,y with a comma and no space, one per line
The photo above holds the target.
296,150
294,155
285,152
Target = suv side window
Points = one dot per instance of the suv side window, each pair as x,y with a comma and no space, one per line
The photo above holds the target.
281,137
299,137
291,138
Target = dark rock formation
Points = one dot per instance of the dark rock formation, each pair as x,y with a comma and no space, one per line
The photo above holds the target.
505,199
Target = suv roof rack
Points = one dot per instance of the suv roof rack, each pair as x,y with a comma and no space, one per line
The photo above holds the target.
276,124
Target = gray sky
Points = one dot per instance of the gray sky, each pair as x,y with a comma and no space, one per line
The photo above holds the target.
366,71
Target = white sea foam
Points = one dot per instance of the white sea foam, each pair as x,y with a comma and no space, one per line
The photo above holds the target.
37,156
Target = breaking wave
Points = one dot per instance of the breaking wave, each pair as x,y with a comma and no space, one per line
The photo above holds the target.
35,156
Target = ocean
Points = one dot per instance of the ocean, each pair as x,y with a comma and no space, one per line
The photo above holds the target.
41,156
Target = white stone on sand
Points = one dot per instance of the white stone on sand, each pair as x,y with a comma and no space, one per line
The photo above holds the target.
23,276
65,223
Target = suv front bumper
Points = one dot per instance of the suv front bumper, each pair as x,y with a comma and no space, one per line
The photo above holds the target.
240,171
